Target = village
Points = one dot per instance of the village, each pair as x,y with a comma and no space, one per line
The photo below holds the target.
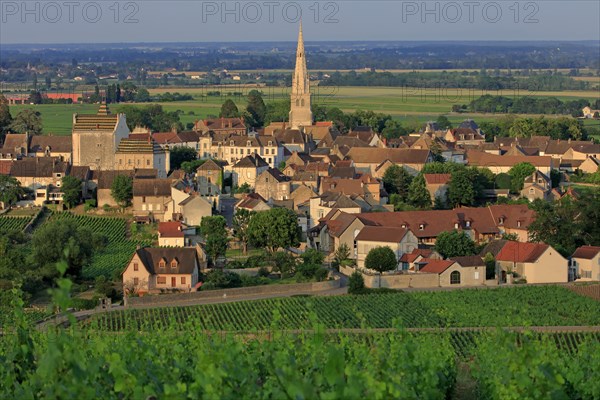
441,207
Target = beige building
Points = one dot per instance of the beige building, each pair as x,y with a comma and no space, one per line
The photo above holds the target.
272,184
537,186
51,146
369,159
400,240
152,199
247,170
437,185
534,262
36,172
209,178
151,270
453,273
170,234
586,263
300,110
228,126
141,151
96,138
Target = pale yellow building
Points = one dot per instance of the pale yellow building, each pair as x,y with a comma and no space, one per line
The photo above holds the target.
586,263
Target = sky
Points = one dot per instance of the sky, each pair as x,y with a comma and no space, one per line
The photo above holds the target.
112,21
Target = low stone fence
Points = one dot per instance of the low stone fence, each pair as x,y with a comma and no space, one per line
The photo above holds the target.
394,279
183,298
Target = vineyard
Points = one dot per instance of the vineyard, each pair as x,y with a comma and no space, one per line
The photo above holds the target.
117,252
505,307
8,224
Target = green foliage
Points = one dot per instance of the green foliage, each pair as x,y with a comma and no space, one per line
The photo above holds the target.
418,195
190,167
215,236
381,259
443,122
356,283
518,173
460,189
181,154
151,116
284,263
122,190
503,181
71,188
241,223
273,229
341,254
454,244
244,188
11,190
229,110
312,265
221,279
490,266
556,178
256,109
396,180
27,120
5,116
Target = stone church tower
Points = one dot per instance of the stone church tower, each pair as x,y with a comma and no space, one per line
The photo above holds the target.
300,111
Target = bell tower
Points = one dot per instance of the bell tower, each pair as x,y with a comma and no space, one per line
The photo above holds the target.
300,110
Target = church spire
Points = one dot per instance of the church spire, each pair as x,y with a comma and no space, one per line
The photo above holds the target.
300,114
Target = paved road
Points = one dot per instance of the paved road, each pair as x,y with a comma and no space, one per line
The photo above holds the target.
227,204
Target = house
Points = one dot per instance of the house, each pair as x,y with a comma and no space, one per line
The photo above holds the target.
209,178
293,139
537,186
367,187
152,269
453,273
437,185
586,263
464,135
233,148
15,146
102,181
51,146
248,169
498,164
408,261
253,202
400,240
230,126
590,165
272,184
192,209
301,195
39,171
588,112
171,234
368,159
533,262
152,199
141,151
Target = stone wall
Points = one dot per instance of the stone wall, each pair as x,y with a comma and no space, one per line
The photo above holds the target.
395,280
183,298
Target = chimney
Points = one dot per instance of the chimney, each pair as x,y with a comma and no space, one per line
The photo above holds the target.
222,122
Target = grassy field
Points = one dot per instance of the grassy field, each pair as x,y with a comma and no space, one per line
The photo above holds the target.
403,103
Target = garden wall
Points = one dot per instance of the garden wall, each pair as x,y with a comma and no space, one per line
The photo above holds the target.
182,298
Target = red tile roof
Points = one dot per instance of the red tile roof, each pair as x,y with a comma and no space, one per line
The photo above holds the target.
437,179
170,229
412,256
435,266
587,252
521,252
382,234
483,159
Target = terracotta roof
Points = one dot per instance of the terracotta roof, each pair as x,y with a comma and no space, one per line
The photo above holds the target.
13,141
250,201
151,256
222,123
469,261
483,159
521,252
58,144
166,137
152,187
374,155
412,256
189,136
587,252
106,178
382,234
436,179
340,224
170,229
251,161
290,136
38,167
435,266
5,166
515,216
81,172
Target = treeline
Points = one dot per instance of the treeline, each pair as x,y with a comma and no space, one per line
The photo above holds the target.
529,105
557,128
474,80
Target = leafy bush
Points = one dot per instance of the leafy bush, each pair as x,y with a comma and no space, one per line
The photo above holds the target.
356,283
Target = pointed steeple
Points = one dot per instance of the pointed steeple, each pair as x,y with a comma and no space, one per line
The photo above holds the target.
300,110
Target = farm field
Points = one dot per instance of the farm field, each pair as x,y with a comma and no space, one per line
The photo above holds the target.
503,307
118,250
402,103
8,223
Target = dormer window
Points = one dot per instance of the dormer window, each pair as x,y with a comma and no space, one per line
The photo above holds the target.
519,224
468,223
421,227
270,143
248,143
232,143
404,226
162,264
456,225
174,264
501,220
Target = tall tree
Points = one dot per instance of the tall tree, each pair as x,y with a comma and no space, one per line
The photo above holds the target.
5,117
396,180
557,224
241,223
460,189
256,109
518,173
27,120
273,229
122,190
454,244
229,110
418,195
215,236
11,190
71,188
35,97
381,259
443,122
181,154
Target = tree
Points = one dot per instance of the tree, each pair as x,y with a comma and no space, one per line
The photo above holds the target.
27,120
443,122
503,181
273,229
312,265
490,266
65,240
418,195
342,254
122,190
215,236
142,96
11,190
181,154
589,206
5,117
35,97
396,180
557,224
256,109
518,173
284,263
241,223
229,110
460,189
454,244
71,188
381,259
191,166
356,283
151,116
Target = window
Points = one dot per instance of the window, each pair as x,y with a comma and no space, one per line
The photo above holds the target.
135,266
162,264
468,224
476,275
174,264
143,199
161,280
421,227
138,162
455,225
531,191
232,143
501,220
120,161
455,278
136,281
147,162
183,280
519,224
